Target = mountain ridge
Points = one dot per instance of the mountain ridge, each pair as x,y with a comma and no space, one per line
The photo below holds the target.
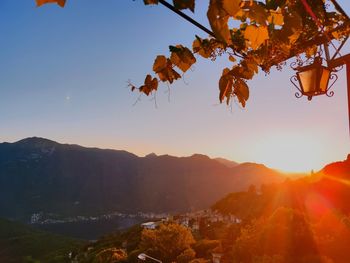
40,175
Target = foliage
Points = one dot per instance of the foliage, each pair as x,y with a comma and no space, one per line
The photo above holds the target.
286,233
213,230
199,260
59,2
245,205
112,247
21,243
289,225
265,33
204,247
112,255
167,242
186,256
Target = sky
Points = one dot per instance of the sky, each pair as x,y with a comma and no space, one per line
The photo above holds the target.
64,75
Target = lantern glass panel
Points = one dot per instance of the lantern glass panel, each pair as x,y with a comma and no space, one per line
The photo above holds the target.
308,80
324,79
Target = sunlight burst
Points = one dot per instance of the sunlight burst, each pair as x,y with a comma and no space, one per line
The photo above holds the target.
291,153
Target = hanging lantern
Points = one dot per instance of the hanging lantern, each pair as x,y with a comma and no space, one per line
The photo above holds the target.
313,80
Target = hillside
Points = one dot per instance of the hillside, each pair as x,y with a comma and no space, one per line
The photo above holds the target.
226,162
41,175
320,226
21,243
325,191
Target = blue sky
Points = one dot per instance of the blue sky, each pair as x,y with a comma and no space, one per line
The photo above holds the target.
64,73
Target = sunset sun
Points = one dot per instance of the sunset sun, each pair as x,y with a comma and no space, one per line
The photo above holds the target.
291,153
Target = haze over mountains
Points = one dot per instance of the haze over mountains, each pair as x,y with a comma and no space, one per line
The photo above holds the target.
39,175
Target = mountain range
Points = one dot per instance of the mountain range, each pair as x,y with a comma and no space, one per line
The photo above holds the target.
40,175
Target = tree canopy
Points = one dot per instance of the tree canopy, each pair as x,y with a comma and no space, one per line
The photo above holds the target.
252,35
169,242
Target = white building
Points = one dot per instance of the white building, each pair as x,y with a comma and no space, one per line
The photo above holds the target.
150,225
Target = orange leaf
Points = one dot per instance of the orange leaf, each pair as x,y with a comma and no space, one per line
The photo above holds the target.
164,68
182,57
184,4
225,85
218,18
159,64
256,36
150,85
59,2
241,91
150,2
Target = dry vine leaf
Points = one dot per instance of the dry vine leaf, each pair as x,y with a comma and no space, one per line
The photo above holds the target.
59,2
232,59
276,18
218,19
293,26
150,2
150,85
241,91
182,57
202,47
257,13
311,51
184,4
256,35
232,7
164,68
225,86
267,33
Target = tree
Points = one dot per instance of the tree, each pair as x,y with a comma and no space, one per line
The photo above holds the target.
267,33
186,256
110,255
286,235
204,247
199,260
167,242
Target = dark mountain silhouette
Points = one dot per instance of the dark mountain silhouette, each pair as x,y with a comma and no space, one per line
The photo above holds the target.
37,174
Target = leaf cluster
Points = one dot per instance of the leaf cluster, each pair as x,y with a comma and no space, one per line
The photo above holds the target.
269,33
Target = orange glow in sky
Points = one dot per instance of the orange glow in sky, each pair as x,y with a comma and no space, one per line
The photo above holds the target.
291,153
